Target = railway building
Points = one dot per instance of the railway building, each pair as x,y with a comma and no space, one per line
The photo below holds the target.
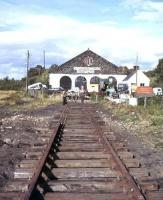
92,71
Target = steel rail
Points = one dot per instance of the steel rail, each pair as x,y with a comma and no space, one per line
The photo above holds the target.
134,188
37,173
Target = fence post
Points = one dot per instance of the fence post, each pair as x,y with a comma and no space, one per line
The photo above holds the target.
145,102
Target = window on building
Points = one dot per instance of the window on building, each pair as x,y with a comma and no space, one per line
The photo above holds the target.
142,84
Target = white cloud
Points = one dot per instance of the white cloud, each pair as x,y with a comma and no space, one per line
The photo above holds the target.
145,10
72,36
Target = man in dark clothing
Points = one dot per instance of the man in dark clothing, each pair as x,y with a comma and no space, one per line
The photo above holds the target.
64,98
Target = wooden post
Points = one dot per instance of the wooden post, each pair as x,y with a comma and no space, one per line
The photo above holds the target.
96,98
145,102
161,104
28,55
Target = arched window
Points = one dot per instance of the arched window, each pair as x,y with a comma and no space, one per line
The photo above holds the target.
81,81
112,81
95,80
65,82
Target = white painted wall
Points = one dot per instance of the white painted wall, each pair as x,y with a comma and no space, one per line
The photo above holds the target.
141,78
54,79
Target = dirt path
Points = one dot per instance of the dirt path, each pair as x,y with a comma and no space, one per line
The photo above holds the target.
18,131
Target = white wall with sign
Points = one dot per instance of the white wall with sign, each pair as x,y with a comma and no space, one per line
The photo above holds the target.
54,79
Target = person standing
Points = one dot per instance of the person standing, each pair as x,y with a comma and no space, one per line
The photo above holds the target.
82,94
64,97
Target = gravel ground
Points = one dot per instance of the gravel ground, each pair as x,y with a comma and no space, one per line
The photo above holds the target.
150,158
18,131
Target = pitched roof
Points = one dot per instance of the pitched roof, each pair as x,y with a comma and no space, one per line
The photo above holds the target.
129,76
89,59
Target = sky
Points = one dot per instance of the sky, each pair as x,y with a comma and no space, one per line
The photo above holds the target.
118,30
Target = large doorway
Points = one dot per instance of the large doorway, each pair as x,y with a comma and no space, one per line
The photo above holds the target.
81,81
65,82
112,82
95,80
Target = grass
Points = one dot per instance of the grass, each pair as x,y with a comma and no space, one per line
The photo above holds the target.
19,100
5,96
147,123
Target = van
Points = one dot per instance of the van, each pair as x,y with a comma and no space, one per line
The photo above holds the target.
37,86
157,91
123,88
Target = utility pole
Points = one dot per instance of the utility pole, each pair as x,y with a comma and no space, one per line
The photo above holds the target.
137,69
44,59
28,55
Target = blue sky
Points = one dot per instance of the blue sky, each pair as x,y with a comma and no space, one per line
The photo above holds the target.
117,30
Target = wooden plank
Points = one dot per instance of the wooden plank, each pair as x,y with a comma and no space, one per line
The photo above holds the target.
82,155
84,163
85,196
16,186
157,195
77,173
149,185
80,135
125,154
79,139
139,172
86,186
23,173
79,130
10,196
33,155
73,142
131,163
27,164
80,145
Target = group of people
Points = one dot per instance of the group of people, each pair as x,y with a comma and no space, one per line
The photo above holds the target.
82,94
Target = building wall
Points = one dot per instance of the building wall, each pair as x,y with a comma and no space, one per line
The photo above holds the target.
54,79
141,79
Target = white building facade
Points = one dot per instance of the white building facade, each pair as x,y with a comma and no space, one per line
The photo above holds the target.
136,79
93,72
55,80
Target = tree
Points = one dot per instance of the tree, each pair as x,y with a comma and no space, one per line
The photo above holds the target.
159,70
43,78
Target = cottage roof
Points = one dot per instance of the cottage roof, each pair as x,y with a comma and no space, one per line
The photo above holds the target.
129,76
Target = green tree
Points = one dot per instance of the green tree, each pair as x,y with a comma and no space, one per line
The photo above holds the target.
43,78
159,70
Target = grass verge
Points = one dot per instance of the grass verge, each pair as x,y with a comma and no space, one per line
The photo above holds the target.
145,123
19,100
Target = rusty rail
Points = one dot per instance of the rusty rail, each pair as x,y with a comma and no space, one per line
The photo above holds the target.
93,173
38,171
137,194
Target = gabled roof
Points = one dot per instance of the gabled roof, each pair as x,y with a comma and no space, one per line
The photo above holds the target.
129,76
89,59
134,72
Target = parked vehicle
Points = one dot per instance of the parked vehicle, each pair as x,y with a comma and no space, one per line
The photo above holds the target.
55,90
74,92
37,86
123,88
157,91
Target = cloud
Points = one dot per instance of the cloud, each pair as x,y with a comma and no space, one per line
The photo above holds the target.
64,37
145,10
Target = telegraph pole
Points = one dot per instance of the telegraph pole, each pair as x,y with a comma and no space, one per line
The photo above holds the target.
44,59
137,69
28,55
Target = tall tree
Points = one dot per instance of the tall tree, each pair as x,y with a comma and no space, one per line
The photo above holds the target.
159,70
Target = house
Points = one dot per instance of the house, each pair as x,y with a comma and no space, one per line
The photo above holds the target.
136,78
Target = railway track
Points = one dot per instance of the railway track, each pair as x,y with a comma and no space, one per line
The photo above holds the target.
81,160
